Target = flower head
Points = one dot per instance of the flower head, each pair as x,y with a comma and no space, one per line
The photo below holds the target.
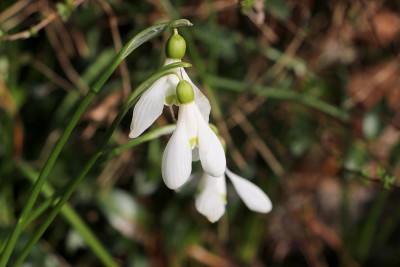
192,131
212,199
151,104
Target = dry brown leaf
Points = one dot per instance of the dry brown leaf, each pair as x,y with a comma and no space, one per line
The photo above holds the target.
380,28
105,108
368,86
8,104
206,257
337,44
106,111
382,146
393,97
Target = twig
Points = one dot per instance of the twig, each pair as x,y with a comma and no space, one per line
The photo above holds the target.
203,9
51,75
263,27
362,177
123,68
258,143
35,29
12,10
65,37
205,257
246,107
12,22
32,31
377,79
64,61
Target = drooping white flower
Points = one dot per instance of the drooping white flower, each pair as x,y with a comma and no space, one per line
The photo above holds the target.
150,105
211,200
192,132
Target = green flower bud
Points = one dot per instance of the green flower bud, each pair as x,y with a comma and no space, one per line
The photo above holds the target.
176,46
184,92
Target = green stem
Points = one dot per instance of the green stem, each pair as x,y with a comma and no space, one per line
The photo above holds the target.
71,216
371,226
141,139
306,100
138,40
166,70
24,217
40,209
69,213
387,230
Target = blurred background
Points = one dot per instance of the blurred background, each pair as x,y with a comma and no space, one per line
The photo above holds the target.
305,93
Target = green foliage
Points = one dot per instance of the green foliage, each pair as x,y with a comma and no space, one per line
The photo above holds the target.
246,5
64,10
279,8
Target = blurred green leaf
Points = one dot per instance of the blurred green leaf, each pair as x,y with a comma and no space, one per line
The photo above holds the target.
64,11
356,157
277,7
99,64
246,5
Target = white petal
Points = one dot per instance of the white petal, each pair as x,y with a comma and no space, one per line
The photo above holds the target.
200,99
254,198
177,159
170,89
212,199
188,116
171,83
148,108
212,155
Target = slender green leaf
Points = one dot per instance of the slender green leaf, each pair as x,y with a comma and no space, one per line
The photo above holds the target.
166,70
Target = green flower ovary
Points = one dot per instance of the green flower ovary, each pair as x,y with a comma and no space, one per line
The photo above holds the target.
184,92
176,46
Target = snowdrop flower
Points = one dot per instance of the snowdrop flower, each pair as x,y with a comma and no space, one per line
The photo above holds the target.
212,198
192,132
151,104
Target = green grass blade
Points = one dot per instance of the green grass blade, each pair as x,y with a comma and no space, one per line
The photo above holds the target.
92,160
141,139
286,95
73,218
